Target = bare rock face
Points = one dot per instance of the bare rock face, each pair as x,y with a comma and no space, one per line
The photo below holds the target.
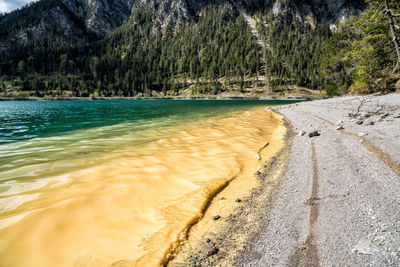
329,11
170,13
74,19
71,19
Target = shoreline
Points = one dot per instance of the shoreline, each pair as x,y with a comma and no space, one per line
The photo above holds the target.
156,98
236,222
334,197
222,201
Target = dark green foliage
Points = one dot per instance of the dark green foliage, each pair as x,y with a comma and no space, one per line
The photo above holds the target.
295,52
134,59
360,57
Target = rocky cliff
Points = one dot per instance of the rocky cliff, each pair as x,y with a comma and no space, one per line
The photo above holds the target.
170,13
76,18
70,19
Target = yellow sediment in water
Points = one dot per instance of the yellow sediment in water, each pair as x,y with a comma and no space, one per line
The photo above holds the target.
135,209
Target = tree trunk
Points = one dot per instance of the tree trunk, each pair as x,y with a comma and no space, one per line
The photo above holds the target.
395,40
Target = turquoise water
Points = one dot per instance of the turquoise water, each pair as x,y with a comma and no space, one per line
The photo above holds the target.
23,120
46,138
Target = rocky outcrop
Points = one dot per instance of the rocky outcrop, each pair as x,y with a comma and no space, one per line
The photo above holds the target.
71,19
74,19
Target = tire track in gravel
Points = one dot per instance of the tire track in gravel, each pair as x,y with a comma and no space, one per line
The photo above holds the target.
307,255
374,151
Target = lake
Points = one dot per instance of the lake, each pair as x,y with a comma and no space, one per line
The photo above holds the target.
89,183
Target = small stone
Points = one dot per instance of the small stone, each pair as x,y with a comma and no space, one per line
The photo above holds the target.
208,240
339,122
369,122
238,200
213,251
362,134
301,133
339,127
222,198
359,122
366,247
217,217
396,115
313,134
384,115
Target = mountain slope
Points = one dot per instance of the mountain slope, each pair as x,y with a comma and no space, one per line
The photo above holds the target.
128,47
70,19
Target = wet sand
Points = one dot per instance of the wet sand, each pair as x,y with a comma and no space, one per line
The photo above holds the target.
329,200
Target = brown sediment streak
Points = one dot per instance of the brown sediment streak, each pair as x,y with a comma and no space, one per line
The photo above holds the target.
393,165
260,158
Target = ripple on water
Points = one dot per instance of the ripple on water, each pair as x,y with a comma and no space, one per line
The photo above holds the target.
101,191
13,202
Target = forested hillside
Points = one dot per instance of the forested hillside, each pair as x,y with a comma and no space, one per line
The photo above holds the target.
170,47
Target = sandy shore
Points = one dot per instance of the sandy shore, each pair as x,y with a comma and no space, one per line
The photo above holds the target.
329,200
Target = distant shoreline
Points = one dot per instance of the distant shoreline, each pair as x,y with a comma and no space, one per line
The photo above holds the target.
153,98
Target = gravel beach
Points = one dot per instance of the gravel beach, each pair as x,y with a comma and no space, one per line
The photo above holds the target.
337,199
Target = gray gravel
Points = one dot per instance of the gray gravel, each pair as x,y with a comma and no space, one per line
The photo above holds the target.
338,203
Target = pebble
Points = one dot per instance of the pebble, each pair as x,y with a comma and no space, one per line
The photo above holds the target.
362,134
366,247
339,127
301,133
359,122
384,115
217,217
313,134
369,122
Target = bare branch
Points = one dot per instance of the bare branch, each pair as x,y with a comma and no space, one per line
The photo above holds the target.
363,100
